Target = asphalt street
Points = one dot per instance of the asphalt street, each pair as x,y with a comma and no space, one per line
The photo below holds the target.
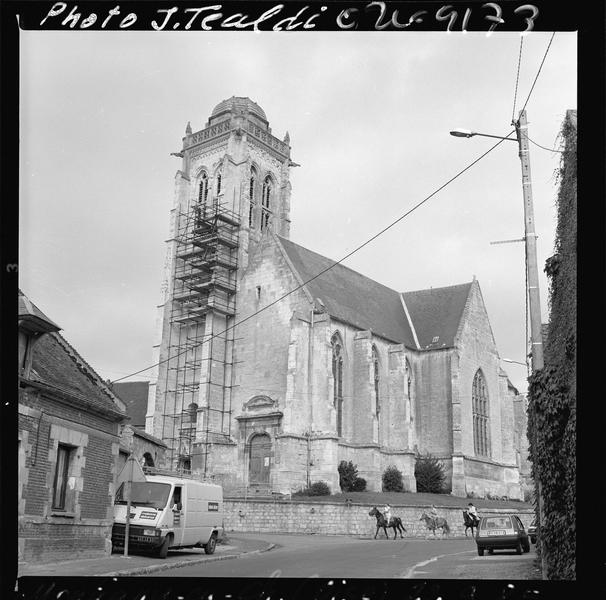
348,557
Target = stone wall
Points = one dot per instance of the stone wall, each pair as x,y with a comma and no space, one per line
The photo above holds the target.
284,516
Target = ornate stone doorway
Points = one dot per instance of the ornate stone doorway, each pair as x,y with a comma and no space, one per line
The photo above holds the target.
260,460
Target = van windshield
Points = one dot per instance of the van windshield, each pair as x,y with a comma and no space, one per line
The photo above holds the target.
145,493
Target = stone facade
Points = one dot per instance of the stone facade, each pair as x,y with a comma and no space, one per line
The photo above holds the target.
273,409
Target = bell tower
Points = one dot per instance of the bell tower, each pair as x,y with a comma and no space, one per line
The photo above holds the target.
233,187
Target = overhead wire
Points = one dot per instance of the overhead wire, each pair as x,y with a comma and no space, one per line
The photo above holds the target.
515,94
368,241
539,71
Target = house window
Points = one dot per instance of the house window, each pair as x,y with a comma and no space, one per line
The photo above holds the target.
266,202
479,401
251,196
376,380
64,455
337,373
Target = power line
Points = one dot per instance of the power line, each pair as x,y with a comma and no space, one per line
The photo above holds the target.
539,71
368,241
515,95
543,147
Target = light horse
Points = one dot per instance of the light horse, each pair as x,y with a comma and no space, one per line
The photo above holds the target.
435,523
470,523
394,522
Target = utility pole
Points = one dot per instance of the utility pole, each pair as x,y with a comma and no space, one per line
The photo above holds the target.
532,272
530,237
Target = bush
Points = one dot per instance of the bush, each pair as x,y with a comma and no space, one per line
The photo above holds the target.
429,473
392,480
359,485
319,488
348,473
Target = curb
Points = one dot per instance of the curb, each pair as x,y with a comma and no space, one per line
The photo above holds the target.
183,563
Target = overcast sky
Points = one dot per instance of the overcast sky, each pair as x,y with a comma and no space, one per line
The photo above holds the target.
369,116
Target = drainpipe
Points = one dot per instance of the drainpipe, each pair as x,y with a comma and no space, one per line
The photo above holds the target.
310,361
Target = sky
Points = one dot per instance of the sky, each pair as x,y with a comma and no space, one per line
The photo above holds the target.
368,115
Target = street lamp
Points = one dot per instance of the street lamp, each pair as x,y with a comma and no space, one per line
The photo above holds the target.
532,270
517,362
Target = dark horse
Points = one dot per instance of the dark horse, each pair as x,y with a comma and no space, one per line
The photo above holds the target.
470,523
394,522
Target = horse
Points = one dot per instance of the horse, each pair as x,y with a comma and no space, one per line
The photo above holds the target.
435,523
394,522
470,523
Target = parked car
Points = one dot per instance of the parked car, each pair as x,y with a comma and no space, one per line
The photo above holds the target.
502,532
532,532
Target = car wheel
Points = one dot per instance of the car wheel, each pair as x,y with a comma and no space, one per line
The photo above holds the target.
490,550
210,546
163,550
519,548
480,551
527,547
533,540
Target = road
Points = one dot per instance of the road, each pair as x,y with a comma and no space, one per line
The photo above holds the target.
349,557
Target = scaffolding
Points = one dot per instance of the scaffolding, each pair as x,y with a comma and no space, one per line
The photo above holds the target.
200,340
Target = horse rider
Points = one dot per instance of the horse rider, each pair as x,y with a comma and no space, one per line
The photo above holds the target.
433,513
387,513
473,513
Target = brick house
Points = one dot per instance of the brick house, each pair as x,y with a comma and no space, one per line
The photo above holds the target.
274,363
69,438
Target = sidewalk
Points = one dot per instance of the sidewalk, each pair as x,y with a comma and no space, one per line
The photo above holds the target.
117,565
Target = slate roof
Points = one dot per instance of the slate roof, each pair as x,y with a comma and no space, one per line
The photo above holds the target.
437,312
57,365
350,296
134,395
32,317
143,434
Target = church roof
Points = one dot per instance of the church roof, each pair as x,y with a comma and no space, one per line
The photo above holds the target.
134,395
350,296
353,298
237,104
437,312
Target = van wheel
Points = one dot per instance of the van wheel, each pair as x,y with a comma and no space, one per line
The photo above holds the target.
480,551
163,550
210,546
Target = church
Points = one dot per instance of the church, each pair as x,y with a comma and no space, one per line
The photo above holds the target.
275,363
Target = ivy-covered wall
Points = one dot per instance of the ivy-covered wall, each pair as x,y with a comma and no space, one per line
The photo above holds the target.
552,391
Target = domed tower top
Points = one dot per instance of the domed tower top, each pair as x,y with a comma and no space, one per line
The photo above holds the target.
235,106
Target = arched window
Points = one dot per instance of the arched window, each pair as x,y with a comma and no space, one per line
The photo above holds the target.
219,177
192,410
337,373
148,460
409,391
251,196
479,402
266,202
376,379
203,189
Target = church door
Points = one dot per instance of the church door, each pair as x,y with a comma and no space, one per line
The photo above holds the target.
260,449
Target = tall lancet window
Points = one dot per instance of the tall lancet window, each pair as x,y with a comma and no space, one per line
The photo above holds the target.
266,198
376,380
409,391
479,401
219,183
337,374
203,189
251,197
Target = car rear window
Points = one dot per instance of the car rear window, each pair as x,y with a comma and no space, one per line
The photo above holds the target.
497,523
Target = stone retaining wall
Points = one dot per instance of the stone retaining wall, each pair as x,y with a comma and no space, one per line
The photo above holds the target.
284,516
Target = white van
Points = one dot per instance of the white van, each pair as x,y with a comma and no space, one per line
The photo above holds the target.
169,512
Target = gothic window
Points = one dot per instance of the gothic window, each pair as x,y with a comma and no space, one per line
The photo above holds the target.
251,196
337,374
409,390
266,198
376,379
479,401
203,189
218,183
